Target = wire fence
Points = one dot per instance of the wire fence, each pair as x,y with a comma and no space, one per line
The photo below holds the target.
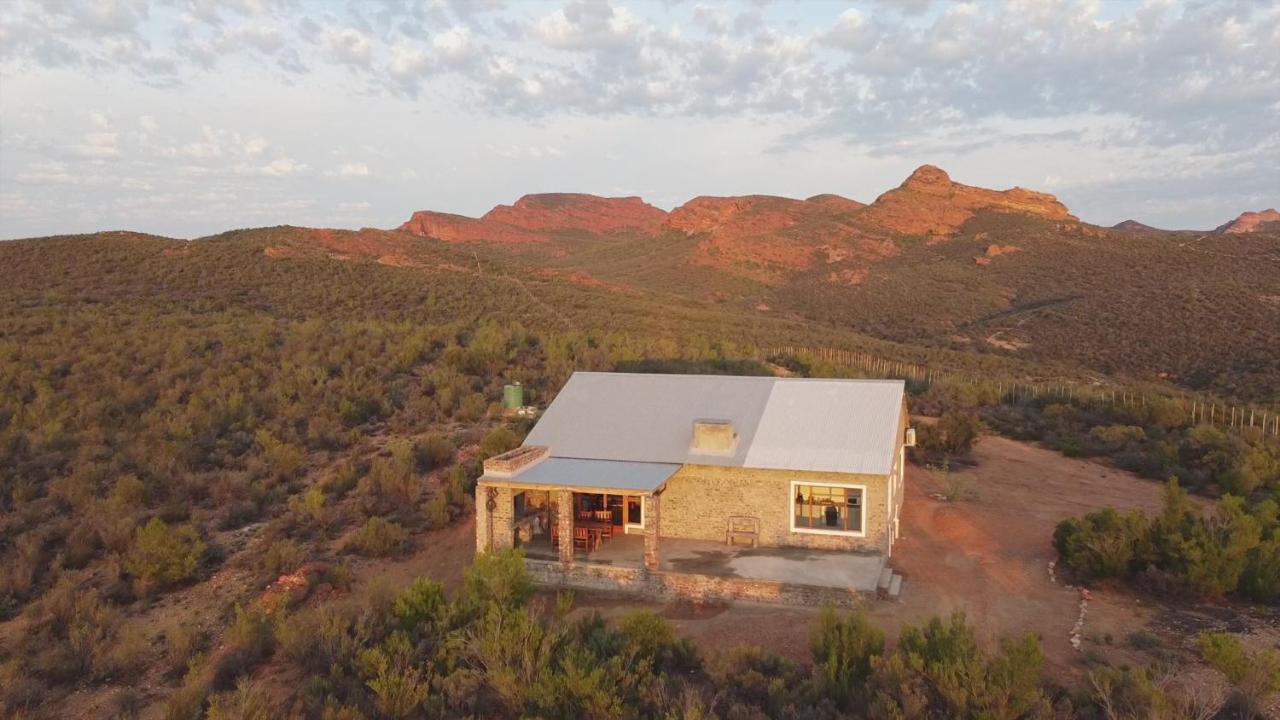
1200,409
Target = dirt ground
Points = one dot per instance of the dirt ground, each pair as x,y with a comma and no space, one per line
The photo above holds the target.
987,556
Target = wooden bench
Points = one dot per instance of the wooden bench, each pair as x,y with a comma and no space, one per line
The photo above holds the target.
742,526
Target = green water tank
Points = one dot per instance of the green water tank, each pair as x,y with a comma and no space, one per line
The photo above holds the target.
513,396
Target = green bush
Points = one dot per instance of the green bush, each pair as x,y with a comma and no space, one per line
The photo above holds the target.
1227,550
281,557
1254,675
433,452
163,556
954,434
436,511
498,441
379,537
843,648
1103,544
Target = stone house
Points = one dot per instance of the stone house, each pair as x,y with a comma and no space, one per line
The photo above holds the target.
640,480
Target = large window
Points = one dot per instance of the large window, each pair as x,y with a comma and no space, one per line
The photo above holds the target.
827,508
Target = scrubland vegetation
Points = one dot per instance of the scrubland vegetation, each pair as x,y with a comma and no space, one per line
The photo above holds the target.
158,410
493,649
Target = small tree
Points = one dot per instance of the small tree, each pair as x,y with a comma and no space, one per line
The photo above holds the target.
497,578
843,649
1101,544
163,555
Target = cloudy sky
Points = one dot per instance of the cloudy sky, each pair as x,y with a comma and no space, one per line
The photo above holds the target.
187,117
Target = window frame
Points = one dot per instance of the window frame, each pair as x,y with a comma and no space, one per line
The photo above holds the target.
862,509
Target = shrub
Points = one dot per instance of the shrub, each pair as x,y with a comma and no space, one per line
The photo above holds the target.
389,485
436,511
380,537
497,578
843,648
1102,544
649,638
965,683
249,639
163,556
124,655
1143,640
182,642
422,607
433,452
1115,436
1254,675
186,703
1129,693
398,686
128,703
282,459
282,556
498,441
248,701
320,638
954,434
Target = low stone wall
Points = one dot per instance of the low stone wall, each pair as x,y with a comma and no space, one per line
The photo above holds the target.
685,586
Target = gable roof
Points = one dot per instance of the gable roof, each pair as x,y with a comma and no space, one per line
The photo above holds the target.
847,426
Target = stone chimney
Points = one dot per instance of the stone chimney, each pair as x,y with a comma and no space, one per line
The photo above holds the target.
714,437
513,461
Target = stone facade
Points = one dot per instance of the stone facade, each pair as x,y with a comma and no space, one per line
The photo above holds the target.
686,586
699,500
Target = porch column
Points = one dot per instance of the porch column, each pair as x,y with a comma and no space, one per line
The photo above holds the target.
652,519
564,525
484,517
501,519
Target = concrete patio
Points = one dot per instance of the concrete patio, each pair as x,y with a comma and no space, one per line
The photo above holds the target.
847,570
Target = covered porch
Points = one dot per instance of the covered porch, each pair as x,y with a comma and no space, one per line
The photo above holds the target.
571,509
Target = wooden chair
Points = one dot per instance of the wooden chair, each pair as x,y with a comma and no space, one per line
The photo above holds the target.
606,532
604,515
582,538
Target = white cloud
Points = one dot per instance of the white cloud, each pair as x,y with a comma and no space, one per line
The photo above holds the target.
453,43
351,169
347,47
282,167
210,93
255,146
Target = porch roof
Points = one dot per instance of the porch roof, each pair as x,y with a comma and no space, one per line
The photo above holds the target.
642,477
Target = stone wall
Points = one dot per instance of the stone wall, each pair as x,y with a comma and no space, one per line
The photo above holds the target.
685,586
700,498
494,527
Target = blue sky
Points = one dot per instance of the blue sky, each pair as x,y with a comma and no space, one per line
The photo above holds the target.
191,117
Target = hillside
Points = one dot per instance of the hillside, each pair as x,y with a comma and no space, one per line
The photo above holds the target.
940,264
219,457
1249,222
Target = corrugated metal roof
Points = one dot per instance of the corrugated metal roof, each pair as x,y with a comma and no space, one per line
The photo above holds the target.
845,426
603,474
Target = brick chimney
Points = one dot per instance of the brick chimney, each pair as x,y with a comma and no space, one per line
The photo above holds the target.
513,461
